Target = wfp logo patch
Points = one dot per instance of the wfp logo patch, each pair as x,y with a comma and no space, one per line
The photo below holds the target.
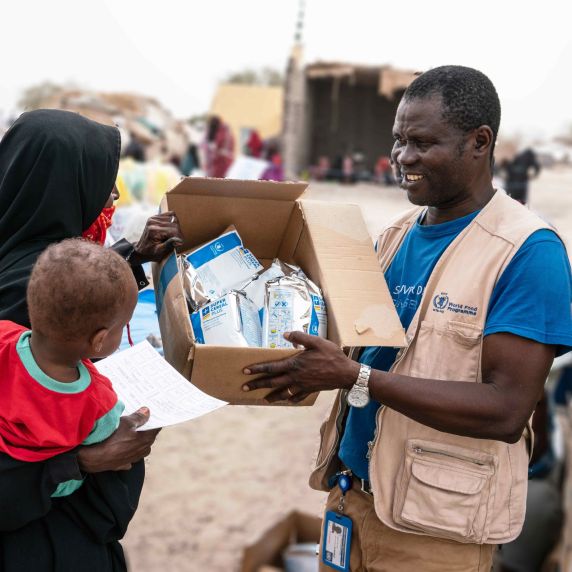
440,302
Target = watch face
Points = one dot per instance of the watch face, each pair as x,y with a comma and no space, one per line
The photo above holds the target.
358,398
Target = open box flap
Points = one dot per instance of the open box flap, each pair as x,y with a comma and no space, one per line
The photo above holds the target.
359,303
239,188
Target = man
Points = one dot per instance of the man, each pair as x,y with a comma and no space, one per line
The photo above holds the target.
437,473
517,173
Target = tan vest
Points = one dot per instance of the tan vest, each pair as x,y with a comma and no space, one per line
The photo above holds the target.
426,481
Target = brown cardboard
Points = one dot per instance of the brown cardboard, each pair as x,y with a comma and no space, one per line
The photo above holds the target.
328,240
266,552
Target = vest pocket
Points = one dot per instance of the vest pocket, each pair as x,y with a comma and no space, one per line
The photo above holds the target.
445,491
449,351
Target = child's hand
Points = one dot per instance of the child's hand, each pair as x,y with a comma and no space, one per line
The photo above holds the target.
119,451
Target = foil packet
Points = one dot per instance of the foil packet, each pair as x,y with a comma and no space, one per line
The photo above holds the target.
255,289
292,303
232,320
217,267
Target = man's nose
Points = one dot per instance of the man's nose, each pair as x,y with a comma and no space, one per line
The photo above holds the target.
407,155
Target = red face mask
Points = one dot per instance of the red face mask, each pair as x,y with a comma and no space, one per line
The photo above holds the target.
98,229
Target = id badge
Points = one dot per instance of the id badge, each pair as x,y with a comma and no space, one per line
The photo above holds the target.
337,541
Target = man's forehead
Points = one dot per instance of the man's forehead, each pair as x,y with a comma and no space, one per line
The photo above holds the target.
421,113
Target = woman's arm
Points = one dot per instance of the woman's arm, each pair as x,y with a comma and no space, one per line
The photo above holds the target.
26,488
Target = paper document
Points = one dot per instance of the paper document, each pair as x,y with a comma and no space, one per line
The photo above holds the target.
141,377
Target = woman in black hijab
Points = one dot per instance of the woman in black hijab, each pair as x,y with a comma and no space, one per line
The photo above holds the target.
57,172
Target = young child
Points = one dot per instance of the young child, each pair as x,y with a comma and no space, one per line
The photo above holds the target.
80,297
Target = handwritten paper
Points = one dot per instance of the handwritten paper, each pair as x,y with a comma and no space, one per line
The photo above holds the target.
141,377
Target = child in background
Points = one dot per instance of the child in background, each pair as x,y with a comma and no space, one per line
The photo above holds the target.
80,297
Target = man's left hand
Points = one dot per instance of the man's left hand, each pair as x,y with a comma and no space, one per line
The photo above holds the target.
321,366
161,235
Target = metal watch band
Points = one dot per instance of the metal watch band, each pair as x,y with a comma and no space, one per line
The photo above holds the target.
363,376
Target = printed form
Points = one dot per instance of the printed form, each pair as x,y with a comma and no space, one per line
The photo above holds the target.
142,377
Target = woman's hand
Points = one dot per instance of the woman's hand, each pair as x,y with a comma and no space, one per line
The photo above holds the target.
321,366
123,448
162,233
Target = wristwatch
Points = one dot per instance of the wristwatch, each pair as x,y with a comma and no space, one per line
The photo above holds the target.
358,395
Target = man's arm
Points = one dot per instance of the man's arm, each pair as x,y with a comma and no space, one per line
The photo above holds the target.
514,371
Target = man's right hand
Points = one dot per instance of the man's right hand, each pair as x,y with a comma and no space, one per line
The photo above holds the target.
123,448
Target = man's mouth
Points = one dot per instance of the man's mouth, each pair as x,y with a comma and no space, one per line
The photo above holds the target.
412,177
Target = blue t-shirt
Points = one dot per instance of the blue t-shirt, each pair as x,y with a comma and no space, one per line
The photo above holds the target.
532,299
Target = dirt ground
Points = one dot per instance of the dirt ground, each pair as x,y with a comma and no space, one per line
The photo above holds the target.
215,485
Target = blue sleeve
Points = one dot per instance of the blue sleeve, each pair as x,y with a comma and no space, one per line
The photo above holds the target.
533,297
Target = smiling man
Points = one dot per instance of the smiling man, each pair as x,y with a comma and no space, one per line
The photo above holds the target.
425,453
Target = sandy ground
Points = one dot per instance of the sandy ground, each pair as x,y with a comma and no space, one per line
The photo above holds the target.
215,485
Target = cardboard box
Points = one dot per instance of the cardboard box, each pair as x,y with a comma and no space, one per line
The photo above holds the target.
266,552
328,240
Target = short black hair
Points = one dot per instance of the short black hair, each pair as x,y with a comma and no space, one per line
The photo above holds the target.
76,287
468,95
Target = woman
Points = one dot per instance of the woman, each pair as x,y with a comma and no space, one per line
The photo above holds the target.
57,174
219,148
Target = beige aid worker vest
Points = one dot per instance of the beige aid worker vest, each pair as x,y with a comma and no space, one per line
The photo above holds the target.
425,481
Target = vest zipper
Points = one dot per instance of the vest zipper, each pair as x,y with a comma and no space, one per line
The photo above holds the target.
371,444
339,416
421,450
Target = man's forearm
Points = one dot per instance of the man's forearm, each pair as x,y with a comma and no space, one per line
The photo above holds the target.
469,409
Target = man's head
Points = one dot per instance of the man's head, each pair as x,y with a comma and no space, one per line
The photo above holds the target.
82,293
445,131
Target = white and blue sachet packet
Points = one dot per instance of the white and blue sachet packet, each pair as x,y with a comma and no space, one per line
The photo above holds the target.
217,267
232,320
292,303
256,287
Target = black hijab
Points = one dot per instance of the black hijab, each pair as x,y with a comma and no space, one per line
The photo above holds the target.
57,170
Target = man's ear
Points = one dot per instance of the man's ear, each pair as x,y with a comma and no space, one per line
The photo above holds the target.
97,340
483,138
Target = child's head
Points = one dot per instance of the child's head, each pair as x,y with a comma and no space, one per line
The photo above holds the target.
81,293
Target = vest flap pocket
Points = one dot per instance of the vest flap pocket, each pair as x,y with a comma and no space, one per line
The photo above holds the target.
445,490
465,330
448,480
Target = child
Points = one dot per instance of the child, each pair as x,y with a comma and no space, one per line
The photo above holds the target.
80,297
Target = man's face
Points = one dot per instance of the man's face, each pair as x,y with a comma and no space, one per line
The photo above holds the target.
430,156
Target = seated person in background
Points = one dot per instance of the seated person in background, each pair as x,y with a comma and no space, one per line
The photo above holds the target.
80,297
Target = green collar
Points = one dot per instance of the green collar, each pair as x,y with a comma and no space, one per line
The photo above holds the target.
25,354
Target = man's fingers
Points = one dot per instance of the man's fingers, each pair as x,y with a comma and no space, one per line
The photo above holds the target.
267,383
270,367
281,394
299,397
302,339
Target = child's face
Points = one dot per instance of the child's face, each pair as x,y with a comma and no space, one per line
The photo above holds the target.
112,338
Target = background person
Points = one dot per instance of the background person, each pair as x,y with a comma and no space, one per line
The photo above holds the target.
517,172
218,148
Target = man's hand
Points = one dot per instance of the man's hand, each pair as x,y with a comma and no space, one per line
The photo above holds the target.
321,366
161,235
119,451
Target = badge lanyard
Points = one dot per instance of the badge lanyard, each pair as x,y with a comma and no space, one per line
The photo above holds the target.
338,530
